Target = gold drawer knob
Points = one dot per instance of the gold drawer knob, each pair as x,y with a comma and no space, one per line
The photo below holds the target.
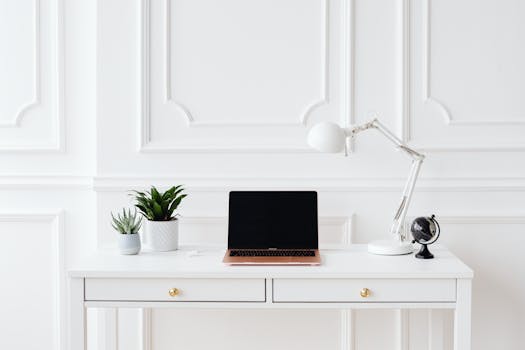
365,292
173,292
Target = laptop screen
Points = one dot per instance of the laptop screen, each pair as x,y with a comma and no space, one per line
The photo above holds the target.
272,219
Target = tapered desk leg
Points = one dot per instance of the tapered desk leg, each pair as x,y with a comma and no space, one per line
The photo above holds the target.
77,315
462,316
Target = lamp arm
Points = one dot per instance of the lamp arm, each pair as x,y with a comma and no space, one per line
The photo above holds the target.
399,218
417,160
376,124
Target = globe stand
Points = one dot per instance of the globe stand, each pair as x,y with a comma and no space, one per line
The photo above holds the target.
424,253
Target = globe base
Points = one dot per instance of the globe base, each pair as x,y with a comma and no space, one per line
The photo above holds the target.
390,247
424,253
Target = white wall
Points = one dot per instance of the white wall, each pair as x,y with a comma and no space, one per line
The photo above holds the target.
220,95
47,159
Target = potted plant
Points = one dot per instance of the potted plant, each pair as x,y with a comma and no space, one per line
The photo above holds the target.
127,225
161,229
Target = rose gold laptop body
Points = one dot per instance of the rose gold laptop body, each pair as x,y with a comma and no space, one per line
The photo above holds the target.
259,220
272,260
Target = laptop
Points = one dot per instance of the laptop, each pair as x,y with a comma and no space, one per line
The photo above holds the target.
272,228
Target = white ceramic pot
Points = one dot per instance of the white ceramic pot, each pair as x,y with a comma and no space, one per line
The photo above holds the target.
161,236
128,244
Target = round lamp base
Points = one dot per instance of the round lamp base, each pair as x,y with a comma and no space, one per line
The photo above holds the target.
390,247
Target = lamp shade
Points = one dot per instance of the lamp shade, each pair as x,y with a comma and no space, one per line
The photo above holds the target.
327,137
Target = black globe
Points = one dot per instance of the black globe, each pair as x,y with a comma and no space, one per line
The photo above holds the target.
424,230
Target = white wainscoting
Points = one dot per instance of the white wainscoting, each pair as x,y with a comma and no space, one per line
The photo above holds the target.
491,245
44,229
31,118
114,95
33,280
243,85
464,75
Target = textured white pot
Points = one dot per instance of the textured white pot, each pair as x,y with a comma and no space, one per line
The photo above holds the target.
161,236
128,244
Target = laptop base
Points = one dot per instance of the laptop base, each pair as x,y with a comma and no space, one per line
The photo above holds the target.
272,260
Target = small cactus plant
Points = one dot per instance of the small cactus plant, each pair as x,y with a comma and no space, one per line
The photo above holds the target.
127,222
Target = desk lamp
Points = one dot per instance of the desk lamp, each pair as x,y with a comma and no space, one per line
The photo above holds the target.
331,138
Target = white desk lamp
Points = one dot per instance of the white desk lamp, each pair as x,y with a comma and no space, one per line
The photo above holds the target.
331,138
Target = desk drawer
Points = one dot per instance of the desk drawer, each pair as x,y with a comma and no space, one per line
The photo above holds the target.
349,290
182,289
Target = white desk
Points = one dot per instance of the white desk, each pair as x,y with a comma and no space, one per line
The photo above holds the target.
145,280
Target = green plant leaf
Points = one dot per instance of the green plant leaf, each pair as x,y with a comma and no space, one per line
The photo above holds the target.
164,205
126,222
169,193
116,228
155,195
157,211
146,211
175,204
144,202
177,192
137,194
157,206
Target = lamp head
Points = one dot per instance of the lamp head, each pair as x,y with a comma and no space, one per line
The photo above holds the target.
327,137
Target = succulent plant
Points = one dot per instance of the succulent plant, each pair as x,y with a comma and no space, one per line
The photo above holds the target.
127,222
156,206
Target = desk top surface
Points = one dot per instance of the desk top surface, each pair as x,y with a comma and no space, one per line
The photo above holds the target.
354,262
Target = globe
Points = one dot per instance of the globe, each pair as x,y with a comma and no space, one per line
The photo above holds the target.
425,231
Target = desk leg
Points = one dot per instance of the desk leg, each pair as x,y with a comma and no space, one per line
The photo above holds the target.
77,315
462,316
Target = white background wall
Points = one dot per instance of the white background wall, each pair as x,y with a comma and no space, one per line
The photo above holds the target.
97,98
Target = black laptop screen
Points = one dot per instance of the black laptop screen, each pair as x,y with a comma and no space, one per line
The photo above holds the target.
272,219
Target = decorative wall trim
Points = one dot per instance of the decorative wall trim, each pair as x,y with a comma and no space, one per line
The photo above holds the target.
167,65
346,223
482,219
192,122
56,218
325,184
150,147
474,147
348,68
220,184
347,86
474,219
57,28
405,109
35,99
404,88
145,81
426,76
8,182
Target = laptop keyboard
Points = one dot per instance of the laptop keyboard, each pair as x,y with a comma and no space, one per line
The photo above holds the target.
272,253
